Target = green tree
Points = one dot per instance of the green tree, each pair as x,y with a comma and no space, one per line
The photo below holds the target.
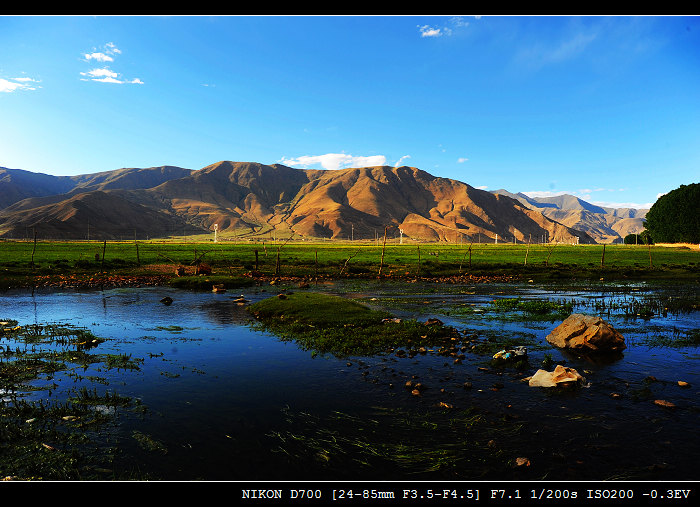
675,216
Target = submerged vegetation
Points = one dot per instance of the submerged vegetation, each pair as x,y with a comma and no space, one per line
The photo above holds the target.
443,442
534,307
330,324
41,439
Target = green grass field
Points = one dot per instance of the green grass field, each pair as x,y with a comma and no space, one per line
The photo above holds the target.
23,259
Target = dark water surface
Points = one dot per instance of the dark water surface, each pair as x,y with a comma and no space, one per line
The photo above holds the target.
228,401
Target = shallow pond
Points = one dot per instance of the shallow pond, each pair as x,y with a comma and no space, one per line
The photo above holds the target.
225,400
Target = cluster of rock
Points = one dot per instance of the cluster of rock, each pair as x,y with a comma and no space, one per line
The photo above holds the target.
582,334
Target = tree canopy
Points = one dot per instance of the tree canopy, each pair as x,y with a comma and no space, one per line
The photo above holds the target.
675,216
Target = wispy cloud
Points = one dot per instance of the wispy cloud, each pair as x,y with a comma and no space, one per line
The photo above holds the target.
334,161
105,74
400,161
14,84
462,160
446,29
570,46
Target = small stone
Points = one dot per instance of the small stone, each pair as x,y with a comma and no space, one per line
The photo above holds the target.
664,403
615,395
415,392
682,383
522,462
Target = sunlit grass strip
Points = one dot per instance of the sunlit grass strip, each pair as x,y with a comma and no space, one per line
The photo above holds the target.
307,258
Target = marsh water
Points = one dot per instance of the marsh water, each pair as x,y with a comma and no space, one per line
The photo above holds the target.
224,399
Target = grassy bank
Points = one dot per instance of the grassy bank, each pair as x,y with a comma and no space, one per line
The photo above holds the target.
44,263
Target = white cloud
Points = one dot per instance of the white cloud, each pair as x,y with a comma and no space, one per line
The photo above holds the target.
105,74
399,161
112,48
100,57
14,84
428,31
455,23
461,160
334,161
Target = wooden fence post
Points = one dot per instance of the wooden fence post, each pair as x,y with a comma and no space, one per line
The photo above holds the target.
381,263
34,249
418,246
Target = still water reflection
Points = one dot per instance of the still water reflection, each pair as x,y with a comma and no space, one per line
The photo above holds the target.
231,402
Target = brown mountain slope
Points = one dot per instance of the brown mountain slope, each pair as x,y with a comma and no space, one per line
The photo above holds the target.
17,184
257,200
353,203
90,215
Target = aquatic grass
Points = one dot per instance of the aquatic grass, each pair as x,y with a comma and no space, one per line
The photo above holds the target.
437,443
122,361
677,339
54,440
533,307
328,324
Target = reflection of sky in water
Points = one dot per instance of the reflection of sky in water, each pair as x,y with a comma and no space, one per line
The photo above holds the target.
216,385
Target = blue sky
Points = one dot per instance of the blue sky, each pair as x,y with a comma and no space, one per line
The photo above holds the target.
605,108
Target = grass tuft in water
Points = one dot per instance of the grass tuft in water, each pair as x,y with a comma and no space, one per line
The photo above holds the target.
334,325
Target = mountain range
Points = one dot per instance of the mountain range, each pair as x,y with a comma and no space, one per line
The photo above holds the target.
253,200
605,224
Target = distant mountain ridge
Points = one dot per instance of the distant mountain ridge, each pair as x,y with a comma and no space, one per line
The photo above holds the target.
604,224
253,200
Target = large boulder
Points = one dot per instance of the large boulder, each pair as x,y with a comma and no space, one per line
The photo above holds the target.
586,334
